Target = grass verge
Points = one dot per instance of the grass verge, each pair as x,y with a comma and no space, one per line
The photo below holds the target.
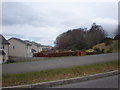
56,74
42,58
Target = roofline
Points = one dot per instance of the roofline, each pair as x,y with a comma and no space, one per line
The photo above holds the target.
20,41
4,39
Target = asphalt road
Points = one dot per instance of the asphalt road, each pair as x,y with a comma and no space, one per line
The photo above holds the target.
107,82
57,63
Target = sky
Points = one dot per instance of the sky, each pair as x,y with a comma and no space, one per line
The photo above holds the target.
44,21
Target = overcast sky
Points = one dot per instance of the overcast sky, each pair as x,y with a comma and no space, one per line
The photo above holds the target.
44,21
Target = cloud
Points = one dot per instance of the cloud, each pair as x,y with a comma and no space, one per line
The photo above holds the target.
109,25
106,21
43,22
18,13
8,35
38,34
52,14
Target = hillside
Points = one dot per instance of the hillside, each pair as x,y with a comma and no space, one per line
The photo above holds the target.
107,48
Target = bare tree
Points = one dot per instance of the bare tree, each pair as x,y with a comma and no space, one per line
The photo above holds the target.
95,35
78,39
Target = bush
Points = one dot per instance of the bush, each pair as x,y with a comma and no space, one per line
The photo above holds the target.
97,51
90,53
110,50
102,51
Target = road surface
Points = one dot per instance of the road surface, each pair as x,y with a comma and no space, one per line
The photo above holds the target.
57,63
107,82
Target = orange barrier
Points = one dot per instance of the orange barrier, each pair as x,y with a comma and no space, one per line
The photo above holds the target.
81,53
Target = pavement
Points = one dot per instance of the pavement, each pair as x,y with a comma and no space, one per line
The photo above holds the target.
107,82
57,63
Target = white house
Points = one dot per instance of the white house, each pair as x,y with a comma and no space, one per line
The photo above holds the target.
4,49
36,47
19,48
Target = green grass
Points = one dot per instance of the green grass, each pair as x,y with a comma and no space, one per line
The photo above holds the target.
56,74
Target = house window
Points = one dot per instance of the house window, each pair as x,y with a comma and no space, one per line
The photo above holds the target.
13,47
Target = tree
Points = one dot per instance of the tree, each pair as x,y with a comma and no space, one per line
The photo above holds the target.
95,35
79,39
71,40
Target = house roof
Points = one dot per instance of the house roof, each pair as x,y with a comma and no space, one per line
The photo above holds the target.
26,43
37,44
2,52
3,40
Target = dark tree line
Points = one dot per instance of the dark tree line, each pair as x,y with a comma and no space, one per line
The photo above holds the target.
80,39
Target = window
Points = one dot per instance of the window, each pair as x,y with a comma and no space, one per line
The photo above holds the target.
13,47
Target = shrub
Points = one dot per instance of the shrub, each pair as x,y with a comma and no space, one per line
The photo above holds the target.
102,51
97,51
110,50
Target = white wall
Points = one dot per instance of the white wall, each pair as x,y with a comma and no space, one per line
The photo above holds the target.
19,49
1,59
29,52
39,49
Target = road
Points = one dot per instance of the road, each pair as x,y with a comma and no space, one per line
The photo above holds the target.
108,82
57,63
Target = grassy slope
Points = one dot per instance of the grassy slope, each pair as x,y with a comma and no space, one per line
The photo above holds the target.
113,47
55,74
